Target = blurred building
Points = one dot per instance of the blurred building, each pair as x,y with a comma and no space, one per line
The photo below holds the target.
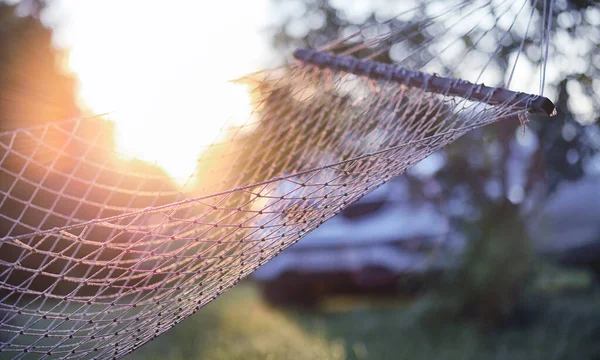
390,243
567,227
382,244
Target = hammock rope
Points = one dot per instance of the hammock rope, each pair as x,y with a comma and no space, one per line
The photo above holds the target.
97,259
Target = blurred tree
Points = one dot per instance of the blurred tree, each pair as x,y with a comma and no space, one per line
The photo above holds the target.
487,191
34,89
569,142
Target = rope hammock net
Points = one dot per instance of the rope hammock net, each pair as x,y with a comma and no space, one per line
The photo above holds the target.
96,260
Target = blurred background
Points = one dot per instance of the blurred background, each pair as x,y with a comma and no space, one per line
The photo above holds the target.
489,248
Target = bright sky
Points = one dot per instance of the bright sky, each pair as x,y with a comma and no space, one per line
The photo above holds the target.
163,67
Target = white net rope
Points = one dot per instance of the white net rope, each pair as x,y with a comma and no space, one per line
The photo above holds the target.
97,259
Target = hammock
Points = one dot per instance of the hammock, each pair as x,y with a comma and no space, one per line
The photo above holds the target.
96,260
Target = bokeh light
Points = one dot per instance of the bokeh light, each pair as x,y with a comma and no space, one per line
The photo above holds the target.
161,70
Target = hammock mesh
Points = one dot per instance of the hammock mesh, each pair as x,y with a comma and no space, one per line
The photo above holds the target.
97,260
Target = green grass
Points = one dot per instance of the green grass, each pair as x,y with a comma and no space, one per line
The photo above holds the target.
239,325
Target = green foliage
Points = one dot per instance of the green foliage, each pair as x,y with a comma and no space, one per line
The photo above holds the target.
239,326
553,279
496,267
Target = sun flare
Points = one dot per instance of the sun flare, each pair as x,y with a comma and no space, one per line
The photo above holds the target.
162,72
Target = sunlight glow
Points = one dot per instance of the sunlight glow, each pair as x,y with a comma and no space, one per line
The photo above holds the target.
162,68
